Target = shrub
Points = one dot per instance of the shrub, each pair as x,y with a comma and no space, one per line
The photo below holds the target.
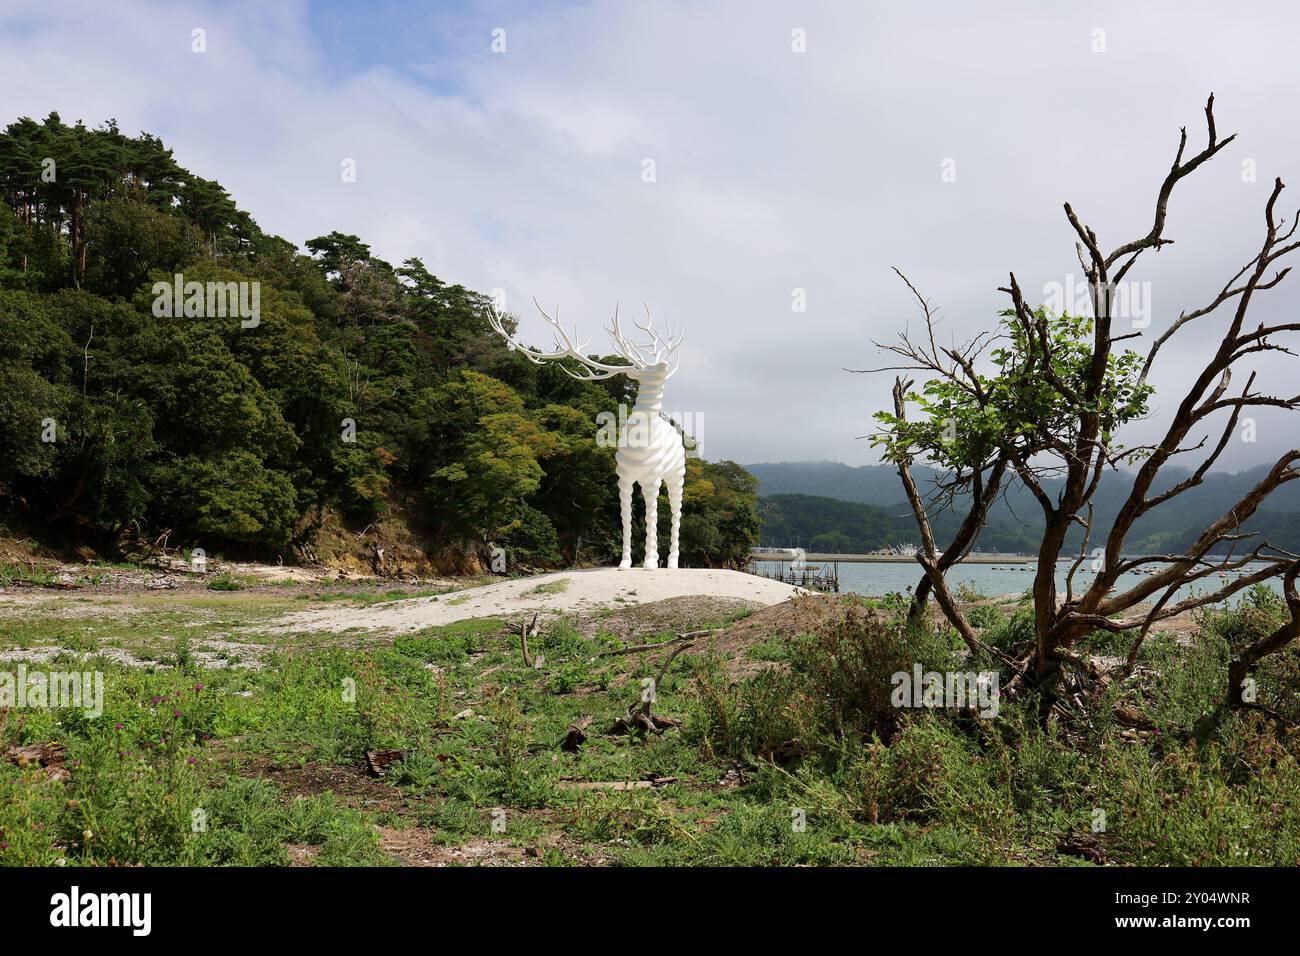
741,720
1190,809
1014,632
931,773
838,684
132,803
630,816
520,780
843,672
1256,615
561,639
984,616
565,677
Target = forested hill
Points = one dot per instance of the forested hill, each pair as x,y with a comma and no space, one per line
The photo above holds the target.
332,391
871,511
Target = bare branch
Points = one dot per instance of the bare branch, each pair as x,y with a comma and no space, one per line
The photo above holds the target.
1155,238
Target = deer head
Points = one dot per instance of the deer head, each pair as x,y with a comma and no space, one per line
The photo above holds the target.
647,361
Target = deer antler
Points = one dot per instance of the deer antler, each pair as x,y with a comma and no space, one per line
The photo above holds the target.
565,348
638,356
653,352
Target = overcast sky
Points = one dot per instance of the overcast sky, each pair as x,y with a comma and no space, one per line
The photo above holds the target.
939,137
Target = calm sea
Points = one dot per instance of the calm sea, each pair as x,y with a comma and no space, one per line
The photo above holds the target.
877,579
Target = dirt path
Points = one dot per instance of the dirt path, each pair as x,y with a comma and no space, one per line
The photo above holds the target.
561,592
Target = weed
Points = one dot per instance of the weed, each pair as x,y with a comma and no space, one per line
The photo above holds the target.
558,586
225,582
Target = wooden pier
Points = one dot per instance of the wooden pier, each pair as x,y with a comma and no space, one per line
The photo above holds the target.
814,577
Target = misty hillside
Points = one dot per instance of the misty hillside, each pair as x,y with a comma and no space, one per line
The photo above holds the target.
1015,523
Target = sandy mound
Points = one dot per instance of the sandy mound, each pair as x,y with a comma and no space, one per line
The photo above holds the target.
563,592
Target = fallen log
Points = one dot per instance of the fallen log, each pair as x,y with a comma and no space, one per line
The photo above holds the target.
576,735
47,585
636,720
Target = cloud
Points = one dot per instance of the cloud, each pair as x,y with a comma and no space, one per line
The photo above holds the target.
775,170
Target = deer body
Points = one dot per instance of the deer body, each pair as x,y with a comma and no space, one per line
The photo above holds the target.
650,453
650,450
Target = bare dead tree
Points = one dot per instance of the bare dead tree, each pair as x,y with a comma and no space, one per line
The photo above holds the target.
1051,409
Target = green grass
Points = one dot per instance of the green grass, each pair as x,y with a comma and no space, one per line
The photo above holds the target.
365,598
773,650
227,582
802,763
12,573
558,586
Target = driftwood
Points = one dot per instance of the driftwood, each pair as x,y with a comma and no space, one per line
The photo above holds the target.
48,757
576,735
1089,846
638,716
377,761
637,721
638,648
654,781
524,628
51,585
659,678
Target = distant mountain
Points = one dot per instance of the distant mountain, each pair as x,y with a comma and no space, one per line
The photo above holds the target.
851,527
1015,523
869,484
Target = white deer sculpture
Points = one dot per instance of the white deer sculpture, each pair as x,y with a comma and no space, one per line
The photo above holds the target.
650,450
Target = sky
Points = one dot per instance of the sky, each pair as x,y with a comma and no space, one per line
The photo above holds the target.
798,151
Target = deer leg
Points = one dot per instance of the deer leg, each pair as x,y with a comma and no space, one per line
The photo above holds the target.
625,507
675,509
650,491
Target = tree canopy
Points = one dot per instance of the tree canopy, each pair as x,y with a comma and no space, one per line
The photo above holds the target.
361,388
